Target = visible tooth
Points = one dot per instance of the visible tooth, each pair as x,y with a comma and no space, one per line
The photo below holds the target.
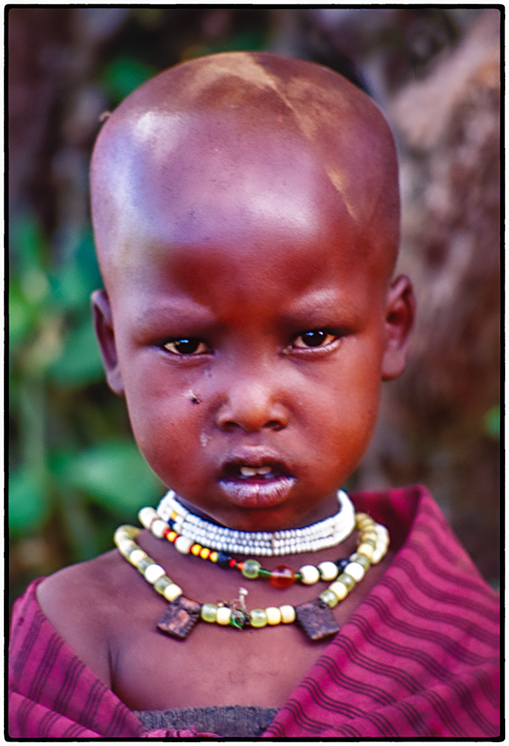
246,471
264,470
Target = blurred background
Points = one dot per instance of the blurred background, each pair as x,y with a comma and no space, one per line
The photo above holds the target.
75,473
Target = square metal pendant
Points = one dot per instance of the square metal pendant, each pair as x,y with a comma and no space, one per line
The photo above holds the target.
179,618
316,619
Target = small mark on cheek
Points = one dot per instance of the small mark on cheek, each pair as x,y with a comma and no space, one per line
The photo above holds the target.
204,439
192,397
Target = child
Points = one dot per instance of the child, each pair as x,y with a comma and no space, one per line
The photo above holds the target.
246,212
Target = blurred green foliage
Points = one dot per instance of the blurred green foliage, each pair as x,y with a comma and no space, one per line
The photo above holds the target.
75,472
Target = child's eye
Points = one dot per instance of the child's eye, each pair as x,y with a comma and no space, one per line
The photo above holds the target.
314,338
186,346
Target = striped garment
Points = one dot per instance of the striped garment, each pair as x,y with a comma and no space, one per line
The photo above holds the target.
418,658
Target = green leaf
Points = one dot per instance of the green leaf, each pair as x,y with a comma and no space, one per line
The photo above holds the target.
28,501
116,475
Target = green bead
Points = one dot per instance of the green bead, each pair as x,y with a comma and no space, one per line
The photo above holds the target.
144,563
361,560
330,598
162,583
238,618
347,580
264,573
251,569
208,612
258,618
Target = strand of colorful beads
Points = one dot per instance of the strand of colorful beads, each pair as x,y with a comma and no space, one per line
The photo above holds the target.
224,614
281,576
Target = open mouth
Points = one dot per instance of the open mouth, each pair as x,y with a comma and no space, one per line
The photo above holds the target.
253,485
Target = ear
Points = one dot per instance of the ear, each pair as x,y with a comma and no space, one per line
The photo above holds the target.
103,322
399,320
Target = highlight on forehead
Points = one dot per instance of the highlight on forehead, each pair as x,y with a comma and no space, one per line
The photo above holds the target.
257,91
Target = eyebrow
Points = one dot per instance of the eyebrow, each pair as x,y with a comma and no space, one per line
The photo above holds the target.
313,306
173,311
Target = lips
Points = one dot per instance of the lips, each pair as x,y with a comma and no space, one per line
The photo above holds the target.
255,479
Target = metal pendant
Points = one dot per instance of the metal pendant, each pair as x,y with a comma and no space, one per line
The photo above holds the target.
179,618
316,619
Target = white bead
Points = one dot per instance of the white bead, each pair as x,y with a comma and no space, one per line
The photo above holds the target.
183,544
287,613
310,574
136,556
273,615
158,527
328,570
223,615
378,553
172,591
153,573
355,570
146,516
339,589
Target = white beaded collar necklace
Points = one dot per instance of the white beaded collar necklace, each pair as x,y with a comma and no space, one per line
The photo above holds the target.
326,533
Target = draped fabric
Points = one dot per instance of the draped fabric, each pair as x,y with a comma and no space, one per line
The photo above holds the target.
418,658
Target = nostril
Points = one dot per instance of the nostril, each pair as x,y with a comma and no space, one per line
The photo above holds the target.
274,425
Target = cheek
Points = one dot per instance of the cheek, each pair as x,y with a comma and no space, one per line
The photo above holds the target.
165,422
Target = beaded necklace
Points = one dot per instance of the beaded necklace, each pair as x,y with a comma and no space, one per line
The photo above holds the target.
315,617
321,535
281,576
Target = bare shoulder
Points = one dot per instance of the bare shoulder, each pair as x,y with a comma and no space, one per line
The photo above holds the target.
82,602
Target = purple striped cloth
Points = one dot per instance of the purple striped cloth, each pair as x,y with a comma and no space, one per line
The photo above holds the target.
419,657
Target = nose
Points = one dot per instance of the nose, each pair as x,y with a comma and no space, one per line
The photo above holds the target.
253,402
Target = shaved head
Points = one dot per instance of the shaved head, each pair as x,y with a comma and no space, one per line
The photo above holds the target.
239,134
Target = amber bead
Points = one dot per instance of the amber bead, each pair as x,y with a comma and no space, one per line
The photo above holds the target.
282,576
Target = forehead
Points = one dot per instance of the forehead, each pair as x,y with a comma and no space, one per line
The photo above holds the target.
240,143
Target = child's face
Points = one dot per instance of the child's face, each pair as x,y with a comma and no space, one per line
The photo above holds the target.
250,340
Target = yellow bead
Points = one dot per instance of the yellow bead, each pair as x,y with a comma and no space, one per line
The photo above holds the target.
195,549
362,519
273,615
172,591
366,550
369,536
172,536
213,557
287,613
223,615
204,554
340,590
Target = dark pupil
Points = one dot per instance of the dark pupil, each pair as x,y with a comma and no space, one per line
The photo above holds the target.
313,339
186,346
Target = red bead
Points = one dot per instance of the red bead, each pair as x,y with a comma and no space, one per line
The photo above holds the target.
282,576
232,562
166,531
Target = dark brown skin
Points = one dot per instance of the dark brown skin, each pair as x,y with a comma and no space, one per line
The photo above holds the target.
248,204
